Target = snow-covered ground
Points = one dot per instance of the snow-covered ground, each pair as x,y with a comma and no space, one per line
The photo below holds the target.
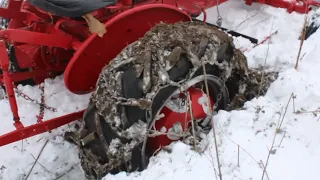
245,136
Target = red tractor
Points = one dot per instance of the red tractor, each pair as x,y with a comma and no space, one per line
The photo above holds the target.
46,38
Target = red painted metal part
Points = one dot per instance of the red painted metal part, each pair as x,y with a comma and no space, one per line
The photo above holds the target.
37,43
300,6
191,6
38,128
171,117
84,68
20,76
22,132
36,38
46,43
4,62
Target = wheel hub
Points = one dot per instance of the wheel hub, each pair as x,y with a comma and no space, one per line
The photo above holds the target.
175,117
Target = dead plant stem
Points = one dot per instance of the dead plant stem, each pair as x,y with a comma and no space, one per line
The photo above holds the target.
192,122
69,170
302,38
44,145
277,130
269,153
41,165
238,155
285,111
282,138
211,118
244,150
265,62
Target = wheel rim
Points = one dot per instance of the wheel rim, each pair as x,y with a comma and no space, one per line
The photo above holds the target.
173,118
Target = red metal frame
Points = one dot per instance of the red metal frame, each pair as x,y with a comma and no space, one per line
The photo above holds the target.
33,39
300,6
101,50
46,43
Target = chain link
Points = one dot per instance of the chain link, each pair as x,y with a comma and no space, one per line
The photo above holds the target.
116,162
13,67
41,104
219,20
219,97
41,111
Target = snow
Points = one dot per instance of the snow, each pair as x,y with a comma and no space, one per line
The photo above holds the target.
204,102
244,136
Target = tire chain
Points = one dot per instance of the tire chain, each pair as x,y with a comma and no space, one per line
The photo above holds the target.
119,160
12,68
91,161
219,97
41,111
41,104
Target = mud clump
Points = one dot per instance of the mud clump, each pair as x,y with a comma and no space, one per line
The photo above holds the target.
118,117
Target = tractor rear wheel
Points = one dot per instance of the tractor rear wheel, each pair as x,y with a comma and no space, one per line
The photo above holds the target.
144,96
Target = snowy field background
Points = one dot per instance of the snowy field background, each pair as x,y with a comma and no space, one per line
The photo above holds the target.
296,152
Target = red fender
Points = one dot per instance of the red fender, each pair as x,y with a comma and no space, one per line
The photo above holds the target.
84,68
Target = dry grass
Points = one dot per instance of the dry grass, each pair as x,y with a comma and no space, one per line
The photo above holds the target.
277,131
302,39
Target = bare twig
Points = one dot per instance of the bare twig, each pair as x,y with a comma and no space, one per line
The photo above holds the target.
212,122
159,176
285,112
155,133
265,61
262,164
263,41
260,22
282,138
269,153
192,122
302,56
278,130
237,26
63,174
212,163
242,149
293,104
44,145
22,146
238,155
41,165
305,112
302,38
186,119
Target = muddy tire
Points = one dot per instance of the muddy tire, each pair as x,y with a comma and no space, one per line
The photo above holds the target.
133,88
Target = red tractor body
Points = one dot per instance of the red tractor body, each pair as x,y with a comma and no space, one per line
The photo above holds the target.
44,45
